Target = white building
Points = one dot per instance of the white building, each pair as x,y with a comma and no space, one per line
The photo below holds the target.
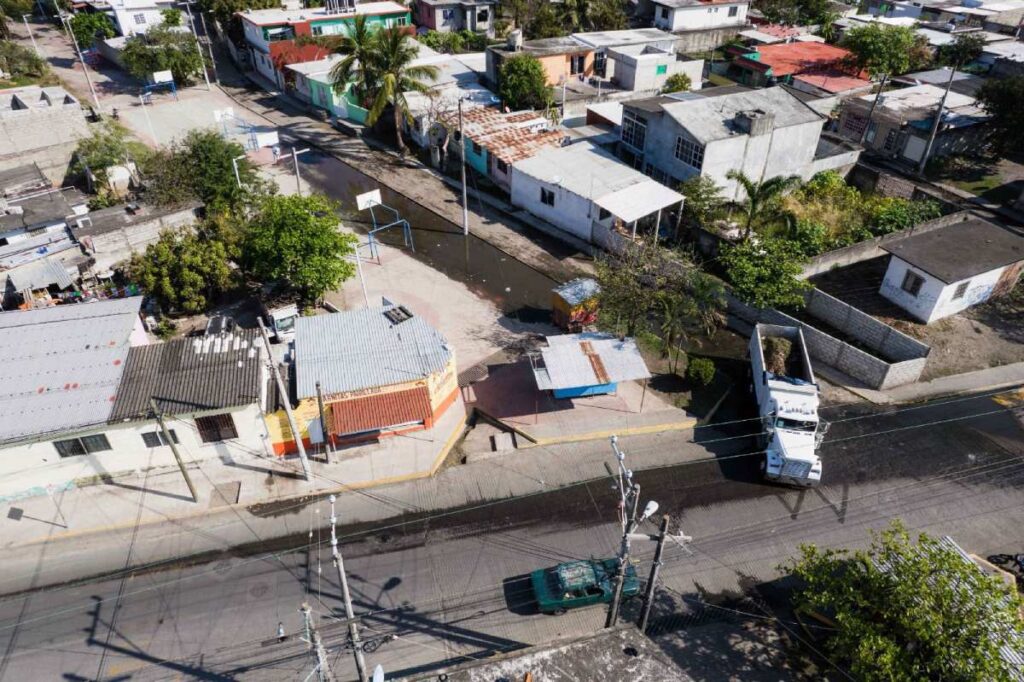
692,15
138,16
589,194
76,385
936,274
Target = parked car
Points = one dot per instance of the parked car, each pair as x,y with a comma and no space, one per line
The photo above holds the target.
580,583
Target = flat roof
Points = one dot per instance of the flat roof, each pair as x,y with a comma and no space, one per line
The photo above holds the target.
360,349
697,3
960,251
114,218
923,96
609,111
964,83
21,180
589,359
545,46
634,36
271,17
190,375
49,207
713,118
62,366
786,59
834,82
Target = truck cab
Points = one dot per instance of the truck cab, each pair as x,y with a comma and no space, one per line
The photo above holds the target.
281,322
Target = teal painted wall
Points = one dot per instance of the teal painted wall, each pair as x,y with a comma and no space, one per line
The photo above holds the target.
375,21
477,162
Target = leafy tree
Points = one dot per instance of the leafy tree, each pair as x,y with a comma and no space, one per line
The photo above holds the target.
761,203
171,16
182,271
1001,98
575,14
810,238
764,272
545,23
108,144
827,26
355,48
608,15
523,83
90,27
223,13
883,51
12,10
163,48
392,64
518,9
297,240
964,49
200,167
22,63
910,610
703,199
677,82
892,214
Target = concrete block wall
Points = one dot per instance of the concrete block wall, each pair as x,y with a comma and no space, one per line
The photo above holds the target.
49,137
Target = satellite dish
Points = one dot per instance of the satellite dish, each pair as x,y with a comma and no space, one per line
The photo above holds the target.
378,674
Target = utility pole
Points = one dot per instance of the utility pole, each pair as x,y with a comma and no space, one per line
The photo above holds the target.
31,36
353,626
465,190
206,34
295,164
653,579
937,122
199,48
323,668
287,404
85,68
234,166
323,423
629,492
174,448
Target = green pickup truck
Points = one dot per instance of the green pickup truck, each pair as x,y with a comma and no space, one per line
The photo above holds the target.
580,583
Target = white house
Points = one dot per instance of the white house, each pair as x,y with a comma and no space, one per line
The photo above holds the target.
589,194
692,15
939,273
76,386
138,16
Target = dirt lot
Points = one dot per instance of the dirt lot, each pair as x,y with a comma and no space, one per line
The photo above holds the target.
988,335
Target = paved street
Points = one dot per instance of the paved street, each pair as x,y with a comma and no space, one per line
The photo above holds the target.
451,586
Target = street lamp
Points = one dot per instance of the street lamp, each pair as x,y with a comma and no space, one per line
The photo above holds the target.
24,17
295,164
234,166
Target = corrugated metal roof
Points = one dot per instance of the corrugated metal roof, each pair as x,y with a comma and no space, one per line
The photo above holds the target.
578,290
360,349
588,359
62,365
191,375
381,411
40,274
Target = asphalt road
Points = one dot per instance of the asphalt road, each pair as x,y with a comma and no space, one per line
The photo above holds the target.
453,587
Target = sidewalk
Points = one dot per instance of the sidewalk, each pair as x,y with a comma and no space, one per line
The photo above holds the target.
145,519
990,379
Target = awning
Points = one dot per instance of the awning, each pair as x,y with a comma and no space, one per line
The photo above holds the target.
578,360
381,411
636,201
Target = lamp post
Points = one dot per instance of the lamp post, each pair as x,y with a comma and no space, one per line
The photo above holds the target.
234,166
31,36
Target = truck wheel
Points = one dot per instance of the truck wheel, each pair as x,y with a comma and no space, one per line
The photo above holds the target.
558,612
764,466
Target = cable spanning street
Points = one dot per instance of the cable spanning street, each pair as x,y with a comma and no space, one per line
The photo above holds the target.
443,589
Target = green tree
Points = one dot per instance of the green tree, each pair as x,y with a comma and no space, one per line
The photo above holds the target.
703,198
225,17
1001,98
545,23
883,51
22,63
517,9
107,145
296,240
761,205
200,167
523,83
608,15
910,610
90,27
163,48
677,82
575,14
392,64
171,16
12,10
355,47
827,26
182,271
764,273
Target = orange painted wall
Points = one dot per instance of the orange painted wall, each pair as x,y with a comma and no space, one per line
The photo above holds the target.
558,66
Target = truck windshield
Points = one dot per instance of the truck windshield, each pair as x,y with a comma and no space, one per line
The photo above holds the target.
285,324
795,425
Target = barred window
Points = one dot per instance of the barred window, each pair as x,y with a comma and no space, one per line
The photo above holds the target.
690,153
216,428
961,289
634,130
912,283
547,197
155,439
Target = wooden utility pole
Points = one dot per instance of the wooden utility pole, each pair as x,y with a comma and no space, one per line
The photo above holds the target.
462,164
287,403
653,579
323,668
323,423
630,499
353,625
174,448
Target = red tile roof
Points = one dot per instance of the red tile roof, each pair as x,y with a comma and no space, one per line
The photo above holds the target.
833,81
520,143
779,31
798,57
381,411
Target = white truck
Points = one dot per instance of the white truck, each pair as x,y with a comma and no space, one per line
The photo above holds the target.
280,321
787,400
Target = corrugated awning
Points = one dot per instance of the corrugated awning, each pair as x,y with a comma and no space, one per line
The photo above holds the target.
381,411
639,200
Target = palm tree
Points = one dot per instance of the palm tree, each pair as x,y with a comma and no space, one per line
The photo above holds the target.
391,64
762,200
355,48
574,13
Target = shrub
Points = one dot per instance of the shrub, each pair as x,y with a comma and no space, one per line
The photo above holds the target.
677,82
700,371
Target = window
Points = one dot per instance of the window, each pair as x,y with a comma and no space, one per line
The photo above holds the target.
661,69
400,21
502,166
547,197
447,14
216,428
317,30
139,19
477,149
600,63
155,439
577,63
664,13
733,11
81,446
482,15
961,289
690,153
634,130
890,140
872,132
854,125
912,283
602,214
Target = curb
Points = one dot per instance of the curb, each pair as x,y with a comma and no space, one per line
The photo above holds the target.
688,423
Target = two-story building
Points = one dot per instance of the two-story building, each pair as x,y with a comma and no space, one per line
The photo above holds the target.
562,58
271,33
763,133
447,16
698,24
